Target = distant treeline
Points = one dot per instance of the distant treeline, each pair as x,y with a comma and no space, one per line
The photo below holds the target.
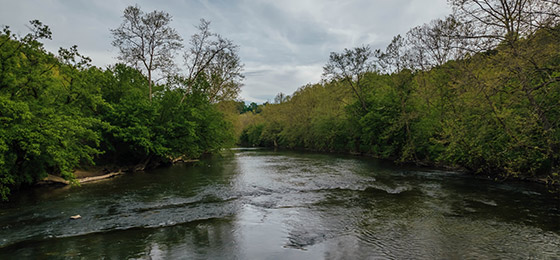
479,89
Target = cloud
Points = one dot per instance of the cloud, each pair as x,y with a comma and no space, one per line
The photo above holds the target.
284,44
263,82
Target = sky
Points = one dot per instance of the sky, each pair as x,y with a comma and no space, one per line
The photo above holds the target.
284,44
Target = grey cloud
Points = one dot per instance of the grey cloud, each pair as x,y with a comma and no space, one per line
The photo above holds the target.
283,43
270,80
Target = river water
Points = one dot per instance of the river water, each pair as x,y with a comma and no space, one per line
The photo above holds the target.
262,204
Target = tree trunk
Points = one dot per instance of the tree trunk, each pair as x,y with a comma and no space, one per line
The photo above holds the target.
150,84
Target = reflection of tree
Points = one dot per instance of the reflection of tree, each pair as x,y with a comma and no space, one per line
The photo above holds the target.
206,239
200,239
138,201
476,202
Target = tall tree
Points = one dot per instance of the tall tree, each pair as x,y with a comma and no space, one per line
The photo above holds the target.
147,41
491,22
281,98
350,66
225,76
396,57
216,58
433,44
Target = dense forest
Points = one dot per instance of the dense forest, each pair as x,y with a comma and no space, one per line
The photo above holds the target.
479,89
59,113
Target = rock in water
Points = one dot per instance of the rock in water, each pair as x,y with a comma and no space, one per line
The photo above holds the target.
75,217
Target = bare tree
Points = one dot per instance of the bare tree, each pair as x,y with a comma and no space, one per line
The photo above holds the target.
544,13
216,58
281,98
396,56
434,44
350,66
147,41
224,75
491,22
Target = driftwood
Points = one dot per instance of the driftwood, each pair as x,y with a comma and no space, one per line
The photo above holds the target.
101,177
56,180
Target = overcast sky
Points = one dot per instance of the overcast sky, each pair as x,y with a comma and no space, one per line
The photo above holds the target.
283,44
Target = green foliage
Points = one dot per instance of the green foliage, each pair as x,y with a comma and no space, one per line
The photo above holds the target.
58,113
143,131
493,113
251,136
45,113
129,136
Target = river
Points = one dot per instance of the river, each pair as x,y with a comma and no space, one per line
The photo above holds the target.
262,204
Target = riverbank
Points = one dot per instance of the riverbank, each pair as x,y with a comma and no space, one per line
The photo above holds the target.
81,176
98,173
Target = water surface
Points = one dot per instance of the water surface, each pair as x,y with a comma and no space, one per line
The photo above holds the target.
261,204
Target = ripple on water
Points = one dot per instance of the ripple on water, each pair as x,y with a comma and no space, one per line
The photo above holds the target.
258,204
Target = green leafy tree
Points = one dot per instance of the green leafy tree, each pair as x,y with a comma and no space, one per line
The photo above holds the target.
45,111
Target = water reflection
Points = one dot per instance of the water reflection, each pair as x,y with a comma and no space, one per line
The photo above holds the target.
259,204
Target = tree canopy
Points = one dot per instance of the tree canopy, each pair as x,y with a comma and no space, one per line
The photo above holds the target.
59,113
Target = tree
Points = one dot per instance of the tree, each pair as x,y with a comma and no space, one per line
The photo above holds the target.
350,66
253,107
281,98
490,22
217,59
224,75
433,44
396,56
146,40
430,47
46,111
519,33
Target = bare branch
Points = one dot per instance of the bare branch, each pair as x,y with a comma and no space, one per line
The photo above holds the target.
146,41
215,58
350,66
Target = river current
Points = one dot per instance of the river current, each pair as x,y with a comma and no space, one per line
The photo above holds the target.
264,204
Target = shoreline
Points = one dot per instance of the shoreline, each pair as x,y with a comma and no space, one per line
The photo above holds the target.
53,180
426,164
98,173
